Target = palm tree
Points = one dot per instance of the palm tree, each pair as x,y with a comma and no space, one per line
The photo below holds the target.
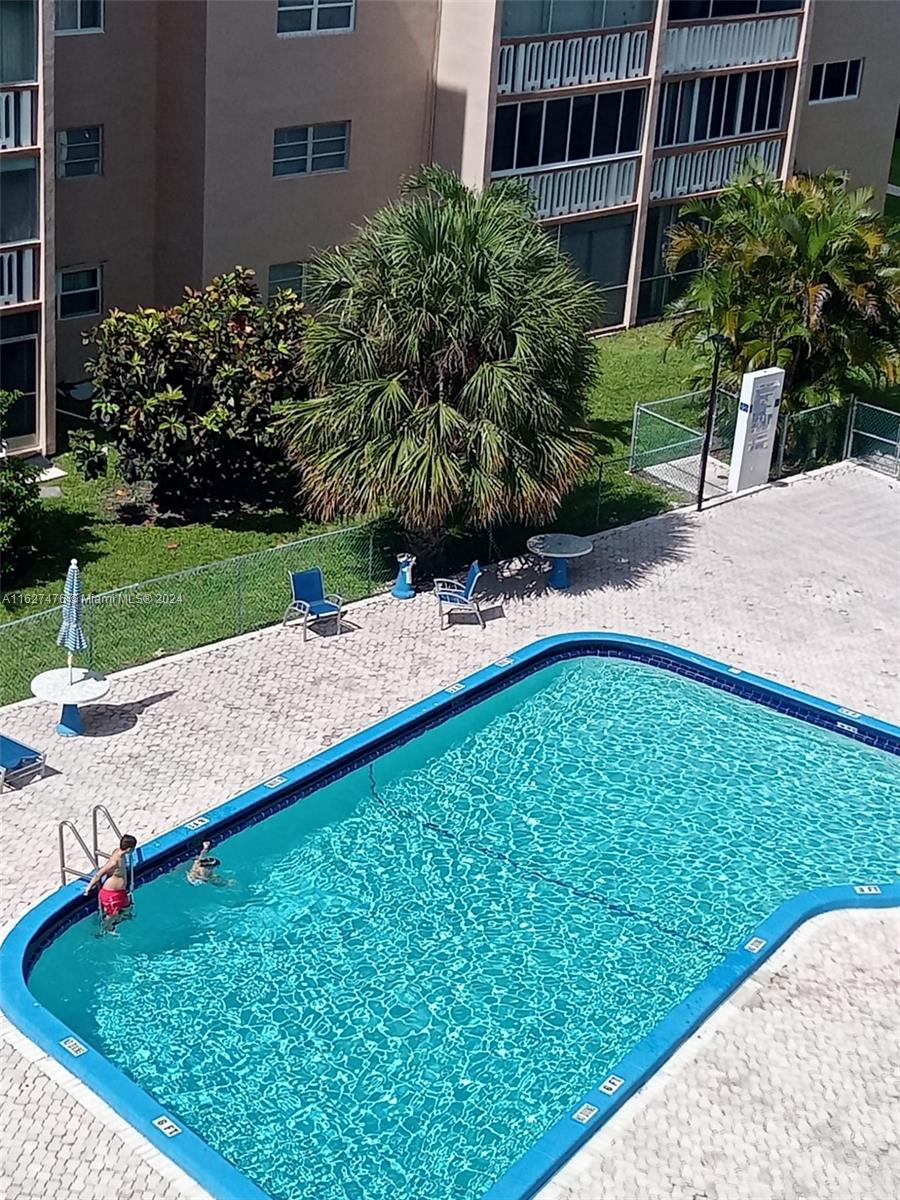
449,364
805,277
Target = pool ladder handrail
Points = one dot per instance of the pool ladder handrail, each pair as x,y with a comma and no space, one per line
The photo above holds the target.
92,853
100,810
64,869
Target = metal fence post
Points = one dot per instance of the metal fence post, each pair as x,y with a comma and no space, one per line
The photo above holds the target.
634,433
238,598
370,563
779,461
89,632
848,432
600,495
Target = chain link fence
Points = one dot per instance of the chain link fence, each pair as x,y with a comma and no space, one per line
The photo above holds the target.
667,441
873,438
809,438
146,621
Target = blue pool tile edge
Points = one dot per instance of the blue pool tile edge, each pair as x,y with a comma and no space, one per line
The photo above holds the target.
172,1137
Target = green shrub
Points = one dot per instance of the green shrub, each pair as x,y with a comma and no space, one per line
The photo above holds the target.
20,502
186,394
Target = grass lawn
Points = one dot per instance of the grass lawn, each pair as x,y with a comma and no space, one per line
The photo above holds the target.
636,366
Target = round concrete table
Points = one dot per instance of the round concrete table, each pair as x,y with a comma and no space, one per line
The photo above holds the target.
55,687
559,548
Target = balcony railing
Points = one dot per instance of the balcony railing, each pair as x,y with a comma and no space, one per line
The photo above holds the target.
572,61
733,44
17,119
568,190
698,171
19,275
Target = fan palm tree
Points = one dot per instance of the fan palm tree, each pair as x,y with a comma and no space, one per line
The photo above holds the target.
804,276
449,364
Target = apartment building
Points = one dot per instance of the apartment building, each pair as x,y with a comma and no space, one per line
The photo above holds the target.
146,145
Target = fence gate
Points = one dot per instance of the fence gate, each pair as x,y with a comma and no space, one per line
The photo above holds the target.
667,439
873,438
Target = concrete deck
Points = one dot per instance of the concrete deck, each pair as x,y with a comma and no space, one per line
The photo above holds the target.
799,582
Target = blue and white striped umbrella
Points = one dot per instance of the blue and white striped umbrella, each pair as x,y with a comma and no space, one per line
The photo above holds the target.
71,635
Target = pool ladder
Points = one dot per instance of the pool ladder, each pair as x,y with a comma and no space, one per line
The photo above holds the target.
92,853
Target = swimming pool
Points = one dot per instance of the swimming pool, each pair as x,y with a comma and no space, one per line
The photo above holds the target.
431,956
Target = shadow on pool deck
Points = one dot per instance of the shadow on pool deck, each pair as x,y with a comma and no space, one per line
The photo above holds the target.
663,539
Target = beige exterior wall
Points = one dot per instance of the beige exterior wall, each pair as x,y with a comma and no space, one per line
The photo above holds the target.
180,57
108,79
855,135
465,87
377,77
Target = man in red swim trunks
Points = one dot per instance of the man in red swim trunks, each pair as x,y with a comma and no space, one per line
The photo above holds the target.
115,899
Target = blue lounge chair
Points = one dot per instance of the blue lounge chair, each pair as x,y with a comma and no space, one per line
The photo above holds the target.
310,601
452,596
18,761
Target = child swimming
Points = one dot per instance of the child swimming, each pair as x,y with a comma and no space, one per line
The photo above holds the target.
203,869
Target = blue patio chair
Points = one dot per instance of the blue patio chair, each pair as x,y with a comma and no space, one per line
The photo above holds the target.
18,761
452,596
310,601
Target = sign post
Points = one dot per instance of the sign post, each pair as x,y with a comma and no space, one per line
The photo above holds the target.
754,434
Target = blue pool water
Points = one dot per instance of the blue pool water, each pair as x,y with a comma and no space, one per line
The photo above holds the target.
419,967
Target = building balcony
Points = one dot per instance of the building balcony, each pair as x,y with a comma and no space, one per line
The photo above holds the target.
19,276
730,44
577,60
18,112
693,172
565,191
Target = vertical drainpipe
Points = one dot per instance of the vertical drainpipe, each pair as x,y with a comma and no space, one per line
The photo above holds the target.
431,91
645,167
801,77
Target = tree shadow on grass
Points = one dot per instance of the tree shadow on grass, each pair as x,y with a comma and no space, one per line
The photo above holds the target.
61,534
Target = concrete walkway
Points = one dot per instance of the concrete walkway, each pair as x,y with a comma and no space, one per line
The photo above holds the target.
800,582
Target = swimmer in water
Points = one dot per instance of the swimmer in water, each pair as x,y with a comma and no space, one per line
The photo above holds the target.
203,869
115,899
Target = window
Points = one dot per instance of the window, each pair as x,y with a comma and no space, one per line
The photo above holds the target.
19,372
19,210
309,148
600,249
702,10
287,277
542,133
18,41
79,152
316,16
720,106
658,287
835,81
80,292
79,16
533,18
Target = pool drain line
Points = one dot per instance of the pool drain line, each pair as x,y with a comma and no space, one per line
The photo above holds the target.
614,906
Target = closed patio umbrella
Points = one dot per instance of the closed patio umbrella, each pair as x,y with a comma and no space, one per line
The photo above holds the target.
71,635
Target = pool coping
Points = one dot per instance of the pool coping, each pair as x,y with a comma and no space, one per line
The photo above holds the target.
170,1136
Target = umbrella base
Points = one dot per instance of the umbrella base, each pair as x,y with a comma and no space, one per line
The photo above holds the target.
70,724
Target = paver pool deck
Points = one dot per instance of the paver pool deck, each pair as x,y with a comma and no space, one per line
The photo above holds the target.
799,582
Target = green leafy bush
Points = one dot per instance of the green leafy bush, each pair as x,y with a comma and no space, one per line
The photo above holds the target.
90,454
186,394
20,503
